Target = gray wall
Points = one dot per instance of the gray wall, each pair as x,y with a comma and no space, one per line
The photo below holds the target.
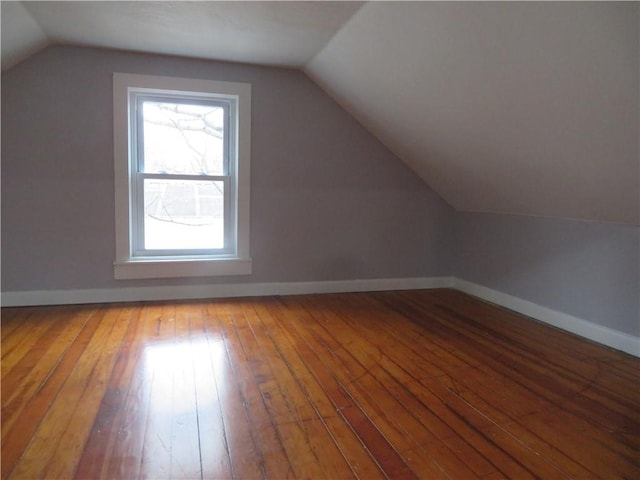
589,270
328,201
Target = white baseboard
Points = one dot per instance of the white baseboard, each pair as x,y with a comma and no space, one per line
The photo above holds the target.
584,328
606,336
184,292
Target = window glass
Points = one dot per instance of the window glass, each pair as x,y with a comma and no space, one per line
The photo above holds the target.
183,138
183,214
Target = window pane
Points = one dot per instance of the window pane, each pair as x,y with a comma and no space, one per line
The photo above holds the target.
183,214
183,139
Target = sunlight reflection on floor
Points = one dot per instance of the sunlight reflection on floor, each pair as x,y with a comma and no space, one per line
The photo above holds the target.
163,362
181,379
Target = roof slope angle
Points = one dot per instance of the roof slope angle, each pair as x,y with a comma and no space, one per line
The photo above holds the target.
524,108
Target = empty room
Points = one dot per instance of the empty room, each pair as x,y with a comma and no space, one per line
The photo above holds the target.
323,240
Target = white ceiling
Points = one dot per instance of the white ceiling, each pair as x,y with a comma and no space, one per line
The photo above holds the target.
516,107
513,107
21,34
269,33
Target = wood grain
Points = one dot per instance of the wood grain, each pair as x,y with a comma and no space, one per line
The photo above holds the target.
412,384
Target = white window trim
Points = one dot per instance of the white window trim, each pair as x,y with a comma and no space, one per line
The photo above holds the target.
128,266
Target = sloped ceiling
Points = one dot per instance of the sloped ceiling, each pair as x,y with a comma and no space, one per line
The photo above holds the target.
528,108
21,34
269,33
511,107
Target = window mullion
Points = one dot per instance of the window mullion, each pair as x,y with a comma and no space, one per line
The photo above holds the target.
180,176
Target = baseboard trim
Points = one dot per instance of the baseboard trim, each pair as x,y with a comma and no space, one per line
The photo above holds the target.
592,331
187,292
583,328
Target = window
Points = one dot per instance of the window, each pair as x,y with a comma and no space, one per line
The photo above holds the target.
182,153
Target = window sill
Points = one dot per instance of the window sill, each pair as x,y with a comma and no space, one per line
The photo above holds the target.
168,268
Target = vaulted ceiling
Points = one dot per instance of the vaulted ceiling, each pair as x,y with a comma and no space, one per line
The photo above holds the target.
509,107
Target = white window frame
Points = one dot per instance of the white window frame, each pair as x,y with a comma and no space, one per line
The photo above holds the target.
235,258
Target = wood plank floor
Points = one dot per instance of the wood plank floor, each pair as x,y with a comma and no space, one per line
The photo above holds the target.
418,384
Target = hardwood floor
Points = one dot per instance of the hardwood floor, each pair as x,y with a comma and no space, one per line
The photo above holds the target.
417,384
